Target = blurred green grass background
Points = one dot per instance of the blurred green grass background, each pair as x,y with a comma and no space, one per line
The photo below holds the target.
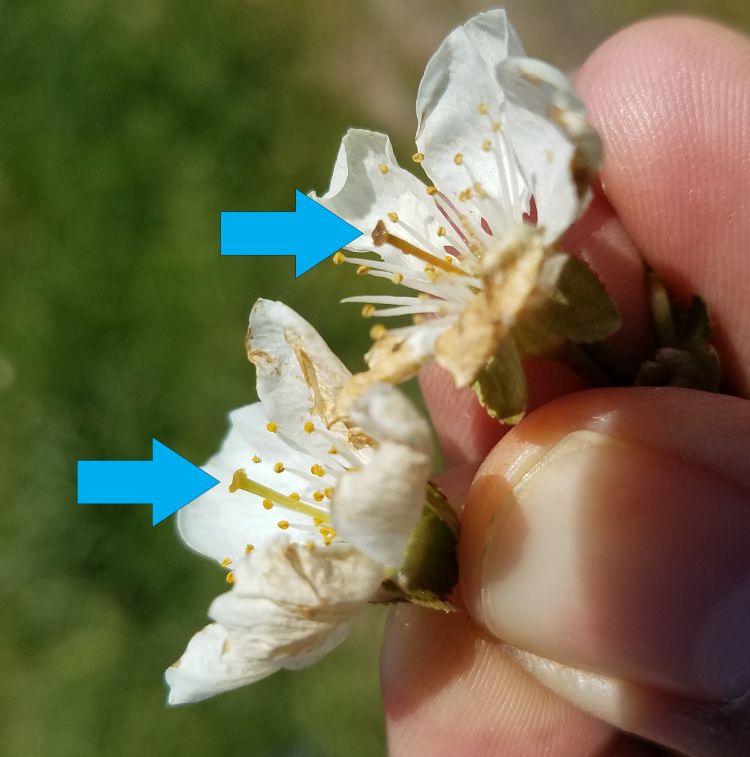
124,130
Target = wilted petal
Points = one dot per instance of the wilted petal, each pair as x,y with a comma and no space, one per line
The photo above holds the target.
376,507
291,603
298,376
210,665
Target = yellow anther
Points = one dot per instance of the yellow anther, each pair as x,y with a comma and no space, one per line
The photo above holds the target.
230,577
418,157
318,496
363,270
397,278
295,496
283,524
431,190
249,548
328,534
226,562
393,217
225,646
448,258
458,158
368,311
309,427
424,296
332,451
378,331
267,504
318,522
417,319
465,194
482,108
317,470
328,491
487,145
383,168
338,258
271,426
441,231
496,126
256,459
278,467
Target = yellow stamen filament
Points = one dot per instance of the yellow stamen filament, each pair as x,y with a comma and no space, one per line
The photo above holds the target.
418,157
241,481
309,427
339,258
317,470
271,426
458,158
381,236
256,459
230,577
278,467
383,168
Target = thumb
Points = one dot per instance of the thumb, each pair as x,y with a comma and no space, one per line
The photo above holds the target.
607,539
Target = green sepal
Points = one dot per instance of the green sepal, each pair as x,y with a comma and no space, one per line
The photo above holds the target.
683,354
577,309
501,384
429,571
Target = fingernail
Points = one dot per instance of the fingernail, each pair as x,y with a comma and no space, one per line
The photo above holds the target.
625,561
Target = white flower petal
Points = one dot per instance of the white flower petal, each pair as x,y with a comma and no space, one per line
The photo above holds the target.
376,507
298,376
458,101
368,185
211,666
491,118
292,603
221,524
556,147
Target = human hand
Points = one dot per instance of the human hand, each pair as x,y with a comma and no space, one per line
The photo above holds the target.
618,573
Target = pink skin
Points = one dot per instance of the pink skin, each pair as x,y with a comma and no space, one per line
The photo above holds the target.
671,99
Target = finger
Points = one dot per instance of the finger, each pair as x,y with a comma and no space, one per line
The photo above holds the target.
670,99
610,532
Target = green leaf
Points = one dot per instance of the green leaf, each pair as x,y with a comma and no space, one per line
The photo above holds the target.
501,384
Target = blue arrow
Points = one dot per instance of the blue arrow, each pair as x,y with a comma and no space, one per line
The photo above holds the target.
311,233
167,482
